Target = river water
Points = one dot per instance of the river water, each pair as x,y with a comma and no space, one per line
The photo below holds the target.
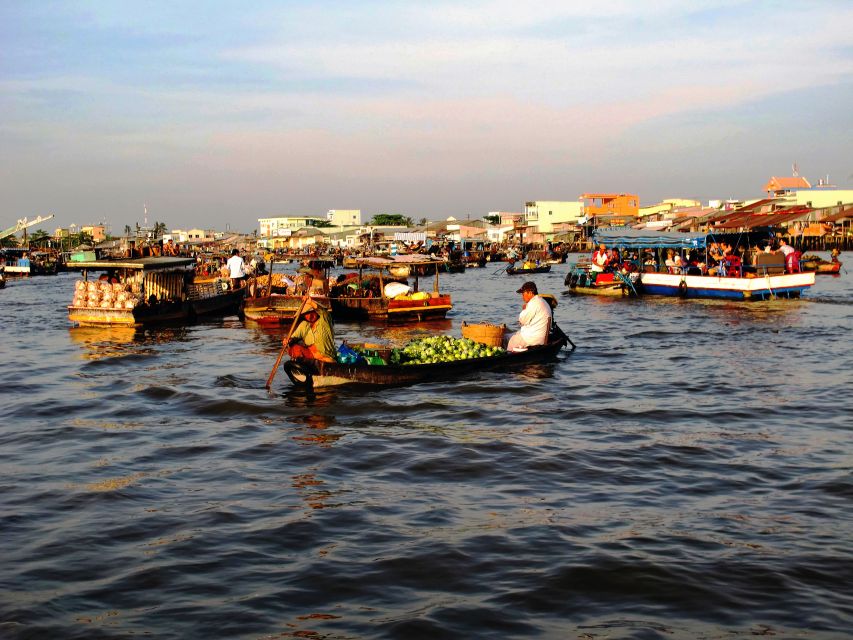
684,473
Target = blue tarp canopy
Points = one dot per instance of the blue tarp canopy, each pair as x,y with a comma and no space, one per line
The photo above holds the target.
645,239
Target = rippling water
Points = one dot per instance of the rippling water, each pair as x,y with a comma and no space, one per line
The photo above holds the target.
686,472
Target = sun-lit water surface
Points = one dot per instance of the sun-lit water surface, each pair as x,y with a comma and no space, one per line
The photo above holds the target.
686,472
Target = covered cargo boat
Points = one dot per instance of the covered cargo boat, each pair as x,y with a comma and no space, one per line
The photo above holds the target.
141,291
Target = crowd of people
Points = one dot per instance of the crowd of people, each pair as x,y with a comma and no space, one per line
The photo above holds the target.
720,258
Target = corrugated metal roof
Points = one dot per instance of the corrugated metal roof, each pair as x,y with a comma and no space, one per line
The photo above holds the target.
750,221
841,215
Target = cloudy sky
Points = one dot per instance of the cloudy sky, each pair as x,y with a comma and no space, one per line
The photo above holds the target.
217,113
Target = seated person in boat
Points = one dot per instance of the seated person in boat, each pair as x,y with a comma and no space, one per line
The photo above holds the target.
314,337
535,320
614,258
834,255
600,259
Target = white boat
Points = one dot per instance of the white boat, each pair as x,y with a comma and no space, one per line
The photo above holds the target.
766,279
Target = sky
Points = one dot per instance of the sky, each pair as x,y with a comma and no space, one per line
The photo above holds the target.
213,114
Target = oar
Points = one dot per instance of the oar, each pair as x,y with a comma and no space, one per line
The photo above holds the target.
286,340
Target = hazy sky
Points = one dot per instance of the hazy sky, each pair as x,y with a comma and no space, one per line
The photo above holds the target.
218,113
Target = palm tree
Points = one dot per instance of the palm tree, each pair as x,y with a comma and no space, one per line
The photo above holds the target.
127,230
159,229
39,238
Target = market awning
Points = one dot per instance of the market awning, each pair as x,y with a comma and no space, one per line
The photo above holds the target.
647,239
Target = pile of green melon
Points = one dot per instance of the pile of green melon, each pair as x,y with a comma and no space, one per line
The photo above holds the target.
436,349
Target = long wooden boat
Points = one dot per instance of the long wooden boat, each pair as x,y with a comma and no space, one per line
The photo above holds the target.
352,300
142,291
764,281
275,308
520,271
313,374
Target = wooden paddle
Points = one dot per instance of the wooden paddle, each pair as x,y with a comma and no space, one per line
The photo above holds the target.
286,340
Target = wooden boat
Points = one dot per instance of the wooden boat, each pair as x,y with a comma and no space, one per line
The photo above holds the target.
819,265
546,257
767,278
275,308
582,280
142,291
272,302
520,271
312,374
364,297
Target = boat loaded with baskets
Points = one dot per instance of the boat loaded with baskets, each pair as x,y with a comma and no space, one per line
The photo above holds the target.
140,291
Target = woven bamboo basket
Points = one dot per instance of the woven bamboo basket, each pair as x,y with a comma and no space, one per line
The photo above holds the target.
489,334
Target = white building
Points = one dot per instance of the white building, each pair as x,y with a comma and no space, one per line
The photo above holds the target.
544,214
344,217
280,225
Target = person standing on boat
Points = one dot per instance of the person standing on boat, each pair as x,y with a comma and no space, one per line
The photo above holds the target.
792,257
236,269
600,259
535,320
314,337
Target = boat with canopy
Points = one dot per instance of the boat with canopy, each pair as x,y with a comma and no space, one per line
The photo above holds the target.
762,278
366,294
142,291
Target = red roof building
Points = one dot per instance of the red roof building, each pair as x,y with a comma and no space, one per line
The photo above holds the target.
779,186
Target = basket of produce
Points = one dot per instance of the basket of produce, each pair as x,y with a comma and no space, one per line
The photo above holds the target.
485,333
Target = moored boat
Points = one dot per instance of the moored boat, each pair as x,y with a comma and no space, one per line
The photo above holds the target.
142,291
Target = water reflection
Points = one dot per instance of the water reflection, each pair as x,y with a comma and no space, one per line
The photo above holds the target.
106,342
115,342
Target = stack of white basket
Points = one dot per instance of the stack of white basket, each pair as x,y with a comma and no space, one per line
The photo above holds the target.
103,295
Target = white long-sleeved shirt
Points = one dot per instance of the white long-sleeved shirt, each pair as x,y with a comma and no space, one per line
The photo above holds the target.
535,321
